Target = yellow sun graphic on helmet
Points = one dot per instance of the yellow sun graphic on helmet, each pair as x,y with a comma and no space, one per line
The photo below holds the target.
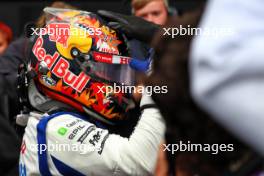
78,39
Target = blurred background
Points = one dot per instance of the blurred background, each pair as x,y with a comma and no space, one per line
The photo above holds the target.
17,13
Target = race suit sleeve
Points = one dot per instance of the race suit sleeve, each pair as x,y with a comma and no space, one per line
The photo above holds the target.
108,154
227,71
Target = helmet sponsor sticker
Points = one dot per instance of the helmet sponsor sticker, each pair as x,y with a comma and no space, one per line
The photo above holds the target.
60,67
60,34
49,81
110,59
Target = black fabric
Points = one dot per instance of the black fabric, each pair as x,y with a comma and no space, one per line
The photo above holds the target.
9,62
13,56
9,107
127,126
9,149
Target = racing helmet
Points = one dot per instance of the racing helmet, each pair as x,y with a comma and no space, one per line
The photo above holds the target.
77,60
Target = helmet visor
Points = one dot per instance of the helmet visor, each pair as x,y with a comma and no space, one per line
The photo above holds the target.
115,73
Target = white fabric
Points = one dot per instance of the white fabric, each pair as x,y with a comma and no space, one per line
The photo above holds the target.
227,72
136,155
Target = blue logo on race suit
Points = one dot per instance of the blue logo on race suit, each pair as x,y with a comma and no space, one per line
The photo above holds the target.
22,170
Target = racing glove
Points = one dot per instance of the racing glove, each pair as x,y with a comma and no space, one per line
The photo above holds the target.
132,26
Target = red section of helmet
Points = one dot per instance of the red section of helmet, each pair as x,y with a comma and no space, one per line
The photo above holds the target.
62,98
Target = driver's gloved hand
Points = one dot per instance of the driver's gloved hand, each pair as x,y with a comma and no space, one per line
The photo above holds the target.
132,26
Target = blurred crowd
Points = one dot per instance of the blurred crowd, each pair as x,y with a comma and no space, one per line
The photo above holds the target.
5,37
213,107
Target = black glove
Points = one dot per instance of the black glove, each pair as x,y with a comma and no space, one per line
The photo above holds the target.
132,26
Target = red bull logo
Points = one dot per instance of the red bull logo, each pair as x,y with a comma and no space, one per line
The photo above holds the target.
60,67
